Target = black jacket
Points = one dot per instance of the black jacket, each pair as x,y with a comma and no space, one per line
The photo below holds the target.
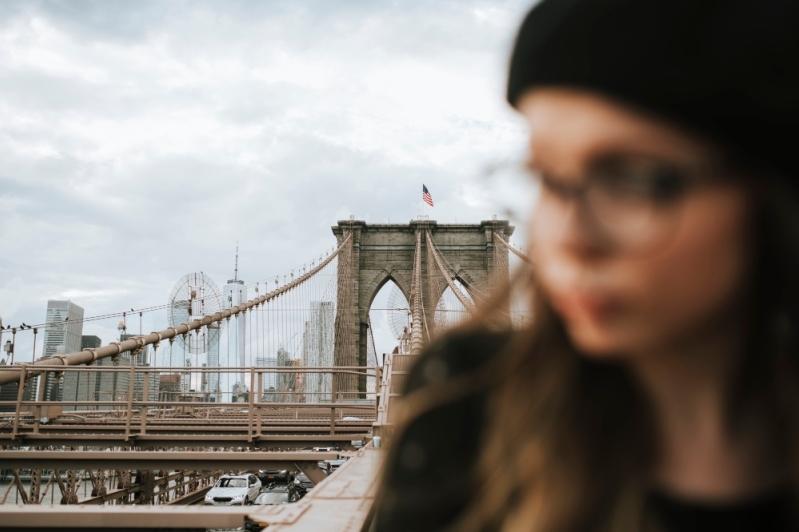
430,475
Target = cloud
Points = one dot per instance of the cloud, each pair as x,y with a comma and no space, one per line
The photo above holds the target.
139,141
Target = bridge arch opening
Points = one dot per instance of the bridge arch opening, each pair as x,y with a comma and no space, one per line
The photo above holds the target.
389,313
450,312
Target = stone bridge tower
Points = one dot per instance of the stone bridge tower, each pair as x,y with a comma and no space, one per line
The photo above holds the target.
383,252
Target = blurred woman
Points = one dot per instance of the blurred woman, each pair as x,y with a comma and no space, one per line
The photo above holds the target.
658,388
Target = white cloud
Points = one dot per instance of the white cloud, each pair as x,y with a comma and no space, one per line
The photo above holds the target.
139,141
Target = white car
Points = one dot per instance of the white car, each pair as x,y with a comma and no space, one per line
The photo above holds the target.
233,489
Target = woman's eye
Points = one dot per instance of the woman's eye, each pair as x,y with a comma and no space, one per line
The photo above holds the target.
665,184
556,186
659,185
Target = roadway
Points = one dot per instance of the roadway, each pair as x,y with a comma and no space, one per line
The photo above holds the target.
340,503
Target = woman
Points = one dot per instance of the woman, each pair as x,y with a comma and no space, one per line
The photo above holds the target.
658,388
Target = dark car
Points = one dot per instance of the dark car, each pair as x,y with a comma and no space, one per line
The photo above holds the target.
329,466
277,494
303,484
270,476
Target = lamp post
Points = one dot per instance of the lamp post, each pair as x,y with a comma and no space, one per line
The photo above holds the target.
13,343
33,357
9,349
121,328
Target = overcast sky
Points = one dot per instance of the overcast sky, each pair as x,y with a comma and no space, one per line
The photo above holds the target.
140,140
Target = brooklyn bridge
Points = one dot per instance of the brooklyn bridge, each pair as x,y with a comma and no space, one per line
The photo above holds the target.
146,453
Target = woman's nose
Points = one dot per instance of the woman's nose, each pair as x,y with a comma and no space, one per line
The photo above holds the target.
568,225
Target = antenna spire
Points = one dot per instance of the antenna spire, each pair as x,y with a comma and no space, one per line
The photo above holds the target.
236,276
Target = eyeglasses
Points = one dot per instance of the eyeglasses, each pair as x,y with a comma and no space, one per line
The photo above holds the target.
629,202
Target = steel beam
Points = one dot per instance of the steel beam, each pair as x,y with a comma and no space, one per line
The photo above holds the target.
341,503
192,498
287,442
170,460
47,517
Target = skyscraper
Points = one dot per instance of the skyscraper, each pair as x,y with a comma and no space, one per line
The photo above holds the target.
269,379
64,327
169,387
81,386
185,378
90,342
62,336
113,385
317,350
235,294
285,383
142,358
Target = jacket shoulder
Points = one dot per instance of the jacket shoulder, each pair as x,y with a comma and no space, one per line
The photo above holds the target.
429,477
454,355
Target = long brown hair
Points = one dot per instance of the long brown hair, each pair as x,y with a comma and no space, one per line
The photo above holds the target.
570,443
566,436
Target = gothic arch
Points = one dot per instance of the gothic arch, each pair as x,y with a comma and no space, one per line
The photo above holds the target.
383,252
380,280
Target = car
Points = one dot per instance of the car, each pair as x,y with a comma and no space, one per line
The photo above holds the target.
303,484
329,466
277,494
269,476
332,449
233,490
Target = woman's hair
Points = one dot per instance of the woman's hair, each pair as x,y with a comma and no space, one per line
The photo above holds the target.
570,442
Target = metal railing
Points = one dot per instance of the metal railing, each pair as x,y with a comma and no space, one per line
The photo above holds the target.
126,403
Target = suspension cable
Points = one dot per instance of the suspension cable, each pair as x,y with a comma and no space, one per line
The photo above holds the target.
87,356
501,239
448,277
416,296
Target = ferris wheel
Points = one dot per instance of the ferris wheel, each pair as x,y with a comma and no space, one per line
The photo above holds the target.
194,296
398,312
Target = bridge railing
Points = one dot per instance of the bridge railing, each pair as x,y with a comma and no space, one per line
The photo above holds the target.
128,403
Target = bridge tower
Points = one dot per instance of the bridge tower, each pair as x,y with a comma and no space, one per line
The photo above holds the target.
381,252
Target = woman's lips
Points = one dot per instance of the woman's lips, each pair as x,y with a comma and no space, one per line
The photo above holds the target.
594,307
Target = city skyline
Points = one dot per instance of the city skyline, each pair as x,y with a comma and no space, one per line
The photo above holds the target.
65,321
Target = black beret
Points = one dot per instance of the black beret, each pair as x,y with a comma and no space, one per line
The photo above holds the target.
727,69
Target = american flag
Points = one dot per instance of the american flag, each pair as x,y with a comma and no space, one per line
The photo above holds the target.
426,196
